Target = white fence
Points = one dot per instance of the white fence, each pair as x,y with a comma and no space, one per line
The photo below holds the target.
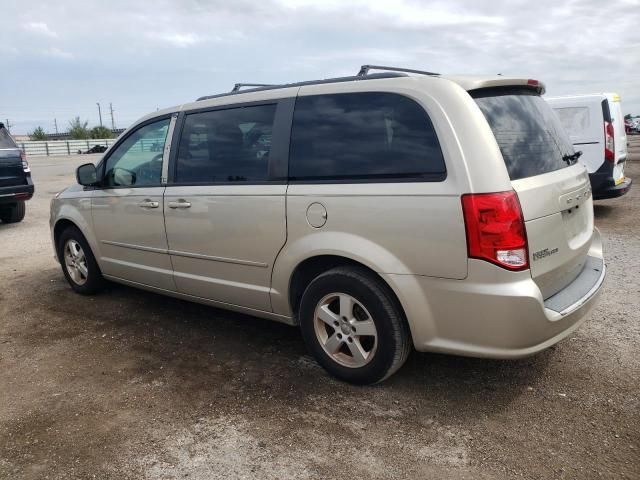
62,147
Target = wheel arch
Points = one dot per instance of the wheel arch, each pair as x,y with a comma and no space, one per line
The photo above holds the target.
309,268
63,222
331,249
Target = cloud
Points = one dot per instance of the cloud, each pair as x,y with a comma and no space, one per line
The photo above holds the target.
181,40
57,53
133,53
39,28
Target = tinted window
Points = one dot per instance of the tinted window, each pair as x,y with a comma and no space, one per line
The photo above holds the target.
226,145
137,161
363,136
529,134
5,139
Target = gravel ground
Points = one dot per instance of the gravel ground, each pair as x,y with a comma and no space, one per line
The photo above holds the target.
129,384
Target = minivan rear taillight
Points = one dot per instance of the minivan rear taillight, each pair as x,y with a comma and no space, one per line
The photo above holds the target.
495,229
609,142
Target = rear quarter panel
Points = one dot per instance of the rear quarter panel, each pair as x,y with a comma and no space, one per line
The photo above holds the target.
413,228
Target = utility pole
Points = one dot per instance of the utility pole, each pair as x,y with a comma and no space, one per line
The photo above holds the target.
8,126
55,123
99,113
113,123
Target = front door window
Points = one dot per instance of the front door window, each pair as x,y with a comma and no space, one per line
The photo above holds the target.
137,162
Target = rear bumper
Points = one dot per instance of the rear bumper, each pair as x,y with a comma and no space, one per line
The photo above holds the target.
613,191
494,313
14,193
604,186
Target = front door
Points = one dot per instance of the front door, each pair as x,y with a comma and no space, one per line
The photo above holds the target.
128,210
224,208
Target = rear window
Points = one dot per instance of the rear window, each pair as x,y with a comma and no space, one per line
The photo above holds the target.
575,120
366,136
529,134
5,139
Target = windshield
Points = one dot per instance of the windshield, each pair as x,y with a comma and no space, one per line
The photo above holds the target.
529,134
5,139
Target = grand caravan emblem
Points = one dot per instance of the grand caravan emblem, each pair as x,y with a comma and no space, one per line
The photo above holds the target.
547,252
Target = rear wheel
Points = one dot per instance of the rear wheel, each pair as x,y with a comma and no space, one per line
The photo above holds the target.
353,326
14,213
78,263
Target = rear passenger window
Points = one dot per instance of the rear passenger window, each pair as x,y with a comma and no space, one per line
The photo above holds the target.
223,146
360,136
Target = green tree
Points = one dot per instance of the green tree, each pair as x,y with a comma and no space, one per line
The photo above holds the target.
101,132
628,116
38,134
78,129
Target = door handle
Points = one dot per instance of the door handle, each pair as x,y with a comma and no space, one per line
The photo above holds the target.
149,204
182,203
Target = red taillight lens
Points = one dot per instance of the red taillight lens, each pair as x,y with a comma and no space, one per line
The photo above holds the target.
495,229
25,164
609,142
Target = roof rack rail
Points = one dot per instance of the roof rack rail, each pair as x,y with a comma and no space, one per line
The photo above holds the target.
364,70
353,78
238,86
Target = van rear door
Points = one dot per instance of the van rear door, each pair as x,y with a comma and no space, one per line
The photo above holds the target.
582,118
553,189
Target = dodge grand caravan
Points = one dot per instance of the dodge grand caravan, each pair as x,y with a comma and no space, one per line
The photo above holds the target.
377,212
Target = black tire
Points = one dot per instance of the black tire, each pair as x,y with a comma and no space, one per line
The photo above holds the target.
13,214
94,282
393,336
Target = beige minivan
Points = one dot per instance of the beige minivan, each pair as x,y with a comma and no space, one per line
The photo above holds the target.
378,212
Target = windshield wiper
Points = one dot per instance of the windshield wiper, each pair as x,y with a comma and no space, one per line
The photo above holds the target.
573,158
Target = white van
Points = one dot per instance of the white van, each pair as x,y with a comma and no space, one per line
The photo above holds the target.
595,124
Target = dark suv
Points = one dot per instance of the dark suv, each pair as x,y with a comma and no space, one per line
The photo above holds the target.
16,185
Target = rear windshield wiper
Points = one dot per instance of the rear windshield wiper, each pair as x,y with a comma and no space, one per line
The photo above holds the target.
573,158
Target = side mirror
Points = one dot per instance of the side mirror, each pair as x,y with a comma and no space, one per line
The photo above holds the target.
87,175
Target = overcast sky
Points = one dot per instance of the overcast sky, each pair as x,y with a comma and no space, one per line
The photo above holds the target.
57,59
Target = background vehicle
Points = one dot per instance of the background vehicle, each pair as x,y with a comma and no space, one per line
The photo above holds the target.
16,185
596,126
375,211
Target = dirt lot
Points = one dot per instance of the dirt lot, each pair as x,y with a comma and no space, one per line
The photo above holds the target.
129,384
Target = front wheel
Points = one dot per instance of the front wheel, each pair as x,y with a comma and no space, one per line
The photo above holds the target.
78,263
353,326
